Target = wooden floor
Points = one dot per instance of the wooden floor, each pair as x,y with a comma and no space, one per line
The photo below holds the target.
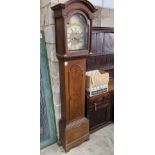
101,143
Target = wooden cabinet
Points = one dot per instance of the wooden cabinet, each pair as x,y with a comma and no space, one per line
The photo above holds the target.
99,109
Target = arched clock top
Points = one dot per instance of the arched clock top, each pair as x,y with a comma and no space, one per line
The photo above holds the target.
84,2
78,12
71,5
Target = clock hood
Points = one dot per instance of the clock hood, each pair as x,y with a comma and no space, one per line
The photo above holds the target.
69,6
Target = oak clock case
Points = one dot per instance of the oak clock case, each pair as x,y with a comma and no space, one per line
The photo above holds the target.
73,22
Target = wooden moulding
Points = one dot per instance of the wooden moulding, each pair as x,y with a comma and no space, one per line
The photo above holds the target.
75,133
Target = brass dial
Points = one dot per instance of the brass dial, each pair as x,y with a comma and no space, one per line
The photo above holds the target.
77,33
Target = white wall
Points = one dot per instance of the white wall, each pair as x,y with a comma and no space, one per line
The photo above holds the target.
103,3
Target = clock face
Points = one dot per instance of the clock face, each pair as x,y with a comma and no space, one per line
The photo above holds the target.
77,31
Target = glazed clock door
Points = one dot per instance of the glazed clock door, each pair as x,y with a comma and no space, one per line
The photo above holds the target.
77,30
76,87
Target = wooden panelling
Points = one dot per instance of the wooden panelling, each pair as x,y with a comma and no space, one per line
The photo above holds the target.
100,56
98,61
76,73
100,108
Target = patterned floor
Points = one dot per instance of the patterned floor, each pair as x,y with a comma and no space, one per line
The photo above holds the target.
100,143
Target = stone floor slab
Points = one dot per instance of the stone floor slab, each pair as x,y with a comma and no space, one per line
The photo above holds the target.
101,143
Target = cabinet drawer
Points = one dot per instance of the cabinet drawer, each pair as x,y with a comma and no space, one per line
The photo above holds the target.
99,101
99,116
99,110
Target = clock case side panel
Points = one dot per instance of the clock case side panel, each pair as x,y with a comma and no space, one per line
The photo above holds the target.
63,91
60,36
63,94
65,128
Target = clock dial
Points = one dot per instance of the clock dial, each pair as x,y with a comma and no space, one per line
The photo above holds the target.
77,33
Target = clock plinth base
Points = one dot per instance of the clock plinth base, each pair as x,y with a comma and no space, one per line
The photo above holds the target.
74,133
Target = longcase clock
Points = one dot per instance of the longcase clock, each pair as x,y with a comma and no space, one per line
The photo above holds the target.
73,24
